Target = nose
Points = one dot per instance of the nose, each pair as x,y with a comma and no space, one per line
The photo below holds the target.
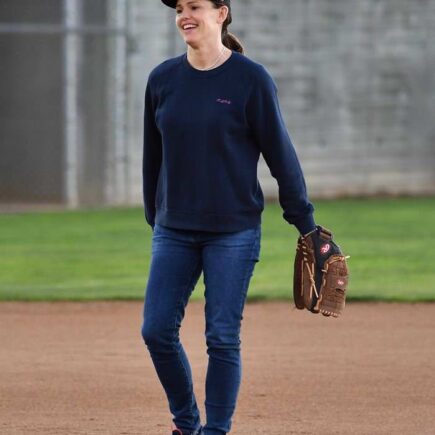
183,15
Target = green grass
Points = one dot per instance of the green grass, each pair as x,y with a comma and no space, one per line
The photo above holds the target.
105,254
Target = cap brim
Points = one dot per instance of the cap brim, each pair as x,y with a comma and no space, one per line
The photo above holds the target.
170,3
173,3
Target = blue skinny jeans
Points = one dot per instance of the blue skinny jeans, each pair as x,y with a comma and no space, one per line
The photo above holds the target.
227,261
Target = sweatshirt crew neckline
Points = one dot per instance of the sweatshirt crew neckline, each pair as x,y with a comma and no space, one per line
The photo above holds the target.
210,72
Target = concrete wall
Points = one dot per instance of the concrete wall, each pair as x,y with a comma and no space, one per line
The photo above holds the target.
355,78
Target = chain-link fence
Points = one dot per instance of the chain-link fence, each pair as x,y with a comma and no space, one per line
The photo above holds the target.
355,81
61,140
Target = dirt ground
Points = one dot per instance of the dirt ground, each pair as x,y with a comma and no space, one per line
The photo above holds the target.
82,368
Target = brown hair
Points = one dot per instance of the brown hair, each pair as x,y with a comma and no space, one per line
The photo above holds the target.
228,39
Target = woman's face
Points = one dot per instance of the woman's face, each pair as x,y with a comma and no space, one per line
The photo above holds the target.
199,20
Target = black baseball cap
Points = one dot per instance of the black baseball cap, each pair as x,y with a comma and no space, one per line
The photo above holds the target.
173,3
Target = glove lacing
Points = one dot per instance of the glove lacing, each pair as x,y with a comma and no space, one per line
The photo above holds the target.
310,272
311,278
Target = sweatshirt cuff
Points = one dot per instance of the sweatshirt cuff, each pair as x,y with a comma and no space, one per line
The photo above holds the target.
305,224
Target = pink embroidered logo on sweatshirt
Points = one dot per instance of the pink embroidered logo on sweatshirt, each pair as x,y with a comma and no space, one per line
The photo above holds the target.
223,101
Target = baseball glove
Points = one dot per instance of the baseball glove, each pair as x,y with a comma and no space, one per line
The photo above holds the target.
320,274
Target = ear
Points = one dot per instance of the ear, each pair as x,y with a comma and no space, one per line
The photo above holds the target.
223,14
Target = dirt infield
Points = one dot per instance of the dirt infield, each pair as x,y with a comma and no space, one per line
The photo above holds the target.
82,368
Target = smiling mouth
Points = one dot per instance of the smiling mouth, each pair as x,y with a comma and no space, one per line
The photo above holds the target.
189,27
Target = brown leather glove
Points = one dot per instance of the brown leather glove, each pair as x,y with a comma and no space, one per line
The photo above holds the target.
320,274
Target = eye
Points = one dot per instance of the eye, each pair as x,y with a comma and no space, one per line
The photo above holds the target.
178,11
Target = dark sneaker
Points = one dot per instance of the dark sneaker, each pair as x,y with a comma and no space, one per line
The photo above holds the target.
180,432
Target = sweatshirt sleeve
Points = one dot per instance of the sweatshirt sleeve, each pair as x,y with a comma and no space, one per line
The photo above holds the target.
152,156
270,133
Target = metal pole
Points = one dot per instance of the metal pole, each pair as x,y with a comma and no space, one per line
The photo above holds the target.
57,29
117,192
72,117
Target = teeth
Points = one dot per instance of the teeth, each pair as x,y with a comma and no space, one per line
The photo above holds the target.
188,26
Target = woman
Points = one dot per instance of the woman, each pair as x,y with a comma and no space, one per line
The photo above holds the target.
208,115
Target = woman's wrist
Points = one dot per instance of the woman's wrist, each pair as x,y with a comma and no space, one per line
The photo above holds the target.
306,225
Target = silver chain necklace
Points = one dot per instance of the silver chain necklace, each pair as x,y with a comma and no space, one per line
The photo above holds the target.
216,61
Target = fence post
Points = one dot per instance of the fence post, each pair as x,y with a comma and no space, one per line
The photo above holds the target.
73,137
116,191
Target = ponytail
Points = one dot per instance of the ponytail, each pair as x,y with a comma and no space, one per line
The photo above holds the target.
232,42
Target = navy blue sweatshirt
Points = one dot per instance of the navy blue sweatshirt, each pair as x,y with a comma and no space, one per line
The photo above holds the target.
203,135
